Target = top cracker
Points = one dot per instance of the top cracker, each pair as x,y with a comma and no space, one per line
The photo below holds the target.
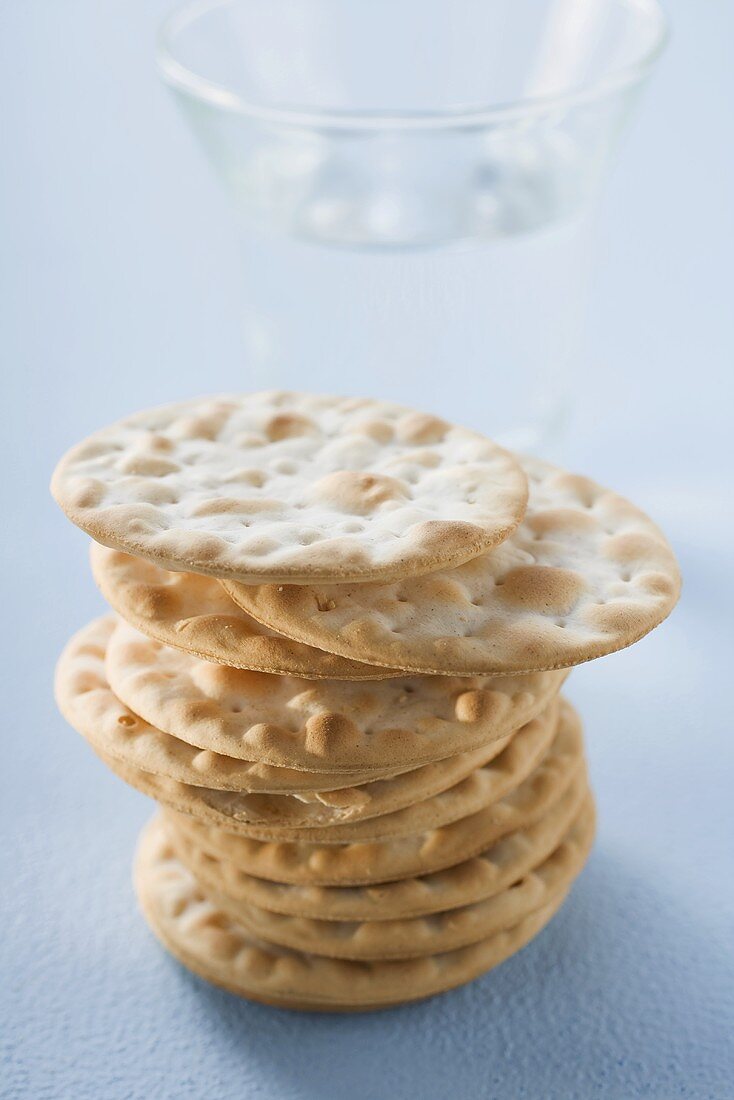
292,487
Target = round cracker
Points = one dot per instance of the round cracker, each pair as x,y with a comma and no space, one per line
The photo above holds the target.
483,786
292,487
404,803
406,938
219,950
585,574
118,734
366,862
193,612
320,725
496,868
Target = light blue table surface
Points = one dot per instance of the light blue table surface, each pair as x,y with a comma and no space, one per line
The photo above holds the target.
119,280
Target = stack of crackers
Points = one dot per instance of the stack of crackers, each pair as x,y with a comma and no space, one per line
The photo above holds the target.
340,631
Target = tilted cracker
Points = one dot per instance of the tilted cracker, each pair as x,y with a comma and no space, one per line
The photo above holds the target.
115,732
318,725
325,814
585,574
365,862
193,612
481,787
174,772
496,868
291,486
361,802
426,935
219,950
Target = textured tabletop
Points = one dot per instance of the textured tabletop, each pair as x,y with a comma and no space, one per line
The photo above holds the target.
120,278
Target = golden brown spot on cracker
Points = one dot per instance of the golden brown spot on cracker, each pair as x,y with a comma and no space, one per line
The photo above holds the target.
255,478
143,465
657,584
471,706
427,458
198,427
223,506
324,732
436,534
288,426
422,428
586,491
630,547
161,443
560,522
542,588
379,430
204,548
357,493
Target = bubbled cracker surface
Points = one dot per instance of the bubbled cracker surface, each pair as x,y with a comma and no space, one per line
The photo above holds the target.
429,934
220,950
494,869
364,862
225,809
238,810
177,774
585,574
430,795
193,612
360,802
403,803
288,486
119,734
481,787
324,725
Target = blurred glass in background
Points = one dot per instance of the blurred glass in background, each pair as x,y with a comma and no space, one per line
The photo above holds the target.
415,184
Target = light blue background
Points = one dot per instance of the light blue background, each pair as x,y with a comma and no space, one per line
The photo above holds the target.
119,289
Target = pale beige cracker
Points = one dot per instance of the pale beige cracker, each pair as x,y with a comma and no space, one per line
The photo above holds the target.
318,725
115,732
484,875
193,612
482,787
367,800
585,574
499,767
219,950
174,772
365,862
427,935
292,486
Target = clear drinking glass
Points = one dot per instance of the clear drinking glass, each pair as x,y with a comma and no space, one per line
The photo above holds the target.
414,181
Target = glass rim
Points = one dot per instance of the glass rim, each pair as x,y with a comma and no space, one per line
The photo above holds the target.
179,76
